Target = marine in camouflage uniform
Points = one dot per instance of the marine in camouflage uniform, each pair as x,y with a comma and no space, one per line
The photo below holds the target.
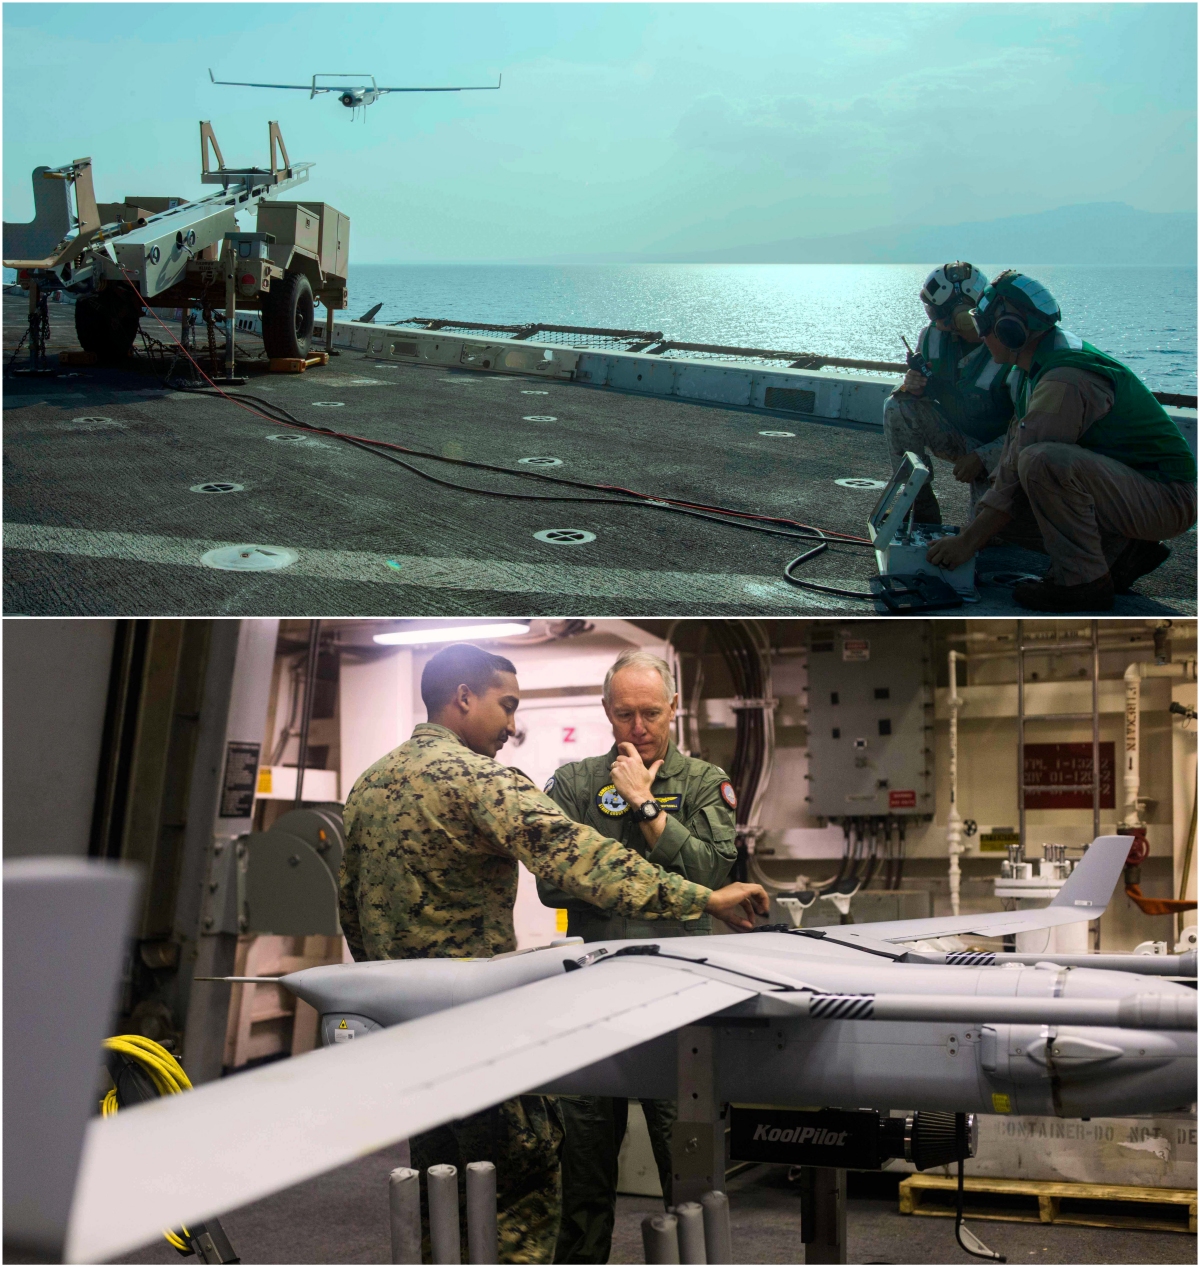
964,408
698,842
434,832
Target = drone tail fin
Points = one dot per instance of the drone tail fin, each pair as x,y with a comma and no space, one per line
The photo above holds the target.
1095,876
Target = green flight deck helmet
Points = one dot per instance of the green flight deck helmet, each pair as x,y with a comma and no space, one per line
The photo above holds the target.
1013,307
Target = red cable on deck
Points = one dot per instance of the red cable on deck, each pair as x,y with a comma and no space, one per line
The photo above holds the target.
437,457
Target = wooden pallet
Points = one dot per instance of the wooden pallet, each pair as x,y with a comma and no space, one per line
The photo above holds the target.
78,357
1050,1196
297,364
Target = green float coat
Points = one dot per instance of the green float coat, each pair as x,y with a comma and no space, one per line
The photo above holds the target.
1137,431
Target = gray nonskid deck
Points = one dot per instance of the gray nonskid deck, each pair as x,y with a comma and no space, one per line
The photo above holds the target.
100,518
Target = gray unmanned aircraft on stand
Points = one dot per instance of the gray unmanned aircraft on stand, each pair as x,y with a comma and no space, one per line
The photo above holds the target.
877,1017
353,95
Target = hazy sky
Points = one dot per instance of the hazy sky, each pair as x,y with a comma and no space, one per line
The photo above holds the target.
625,127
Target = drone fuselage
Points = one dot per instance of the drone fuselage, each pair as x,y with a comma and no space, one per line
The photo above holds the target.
763,1055
353,98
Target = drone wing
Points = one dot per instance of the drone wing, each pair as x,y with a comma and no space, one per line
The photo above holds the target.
237,83
464,88
1083,897
188,1157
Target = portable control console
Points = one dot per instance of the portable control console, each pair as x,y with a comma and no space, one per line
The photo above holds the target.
900,544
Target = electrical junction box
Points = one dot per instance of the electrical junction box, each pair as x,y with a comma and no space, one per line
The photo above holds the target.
870,721
900,545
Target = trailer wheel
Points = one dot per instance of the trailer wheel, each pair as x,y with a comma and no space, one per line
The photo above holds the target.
287,317
107,323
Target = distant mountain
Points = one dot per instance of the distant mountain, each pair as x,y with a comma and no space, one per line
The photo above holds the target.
1089,233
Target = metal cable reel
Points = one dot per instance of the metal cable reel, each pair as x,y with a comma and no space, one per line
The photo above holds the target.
319,826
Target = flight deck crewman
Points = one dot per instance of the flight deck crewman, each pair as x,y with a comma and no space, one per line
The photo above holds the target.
1106,472
962,412
677,812
434,832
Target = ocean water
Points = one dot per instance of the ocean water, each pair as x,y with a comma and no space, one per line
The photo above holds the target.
1146,317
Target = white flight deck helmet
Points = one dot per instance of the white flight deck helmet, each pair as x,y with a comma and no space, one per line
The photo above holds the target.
950,288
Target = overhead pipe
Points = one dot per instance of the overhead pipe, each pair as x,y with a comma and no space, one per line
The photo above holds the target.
310,686
1136,671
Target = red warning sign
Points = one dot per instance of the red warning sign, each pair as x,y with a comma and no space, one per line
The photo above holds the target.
902,800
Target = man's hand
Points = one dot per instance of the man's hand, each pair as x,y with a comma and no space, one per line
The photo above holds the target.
914,383
950,552
969,467
737,904
631,778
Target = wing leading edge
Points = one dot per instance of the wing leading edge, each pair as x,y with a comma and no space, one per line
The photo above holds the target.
1084,896
188,1157
315,88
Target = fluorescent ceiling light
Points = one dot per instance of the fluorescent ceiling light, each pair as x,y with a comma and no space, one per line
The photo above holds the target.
454,633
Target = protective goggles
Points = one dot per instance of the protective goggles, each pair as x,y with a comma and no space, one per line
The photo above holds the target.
984,315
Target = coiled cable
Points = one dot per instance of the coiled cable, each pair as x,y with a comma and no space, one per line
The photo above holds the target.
167,1076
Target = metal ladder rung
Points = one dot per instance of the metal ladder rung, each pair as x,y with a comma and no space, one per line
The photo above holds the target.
1056,717
1057,649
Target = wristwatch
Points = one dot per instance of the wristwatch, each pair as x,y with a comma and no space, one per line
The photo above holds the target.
647,812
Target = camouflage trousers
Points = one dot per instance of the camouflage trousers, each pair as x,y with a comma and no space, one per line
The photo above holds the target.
912,424
523,1138
595,1126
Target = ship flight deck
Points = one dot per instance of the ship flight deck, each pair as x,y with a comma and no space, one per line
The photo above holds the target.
117,487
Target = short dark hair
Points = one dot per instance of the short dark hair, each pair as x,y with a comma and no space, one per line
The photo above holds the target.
461,663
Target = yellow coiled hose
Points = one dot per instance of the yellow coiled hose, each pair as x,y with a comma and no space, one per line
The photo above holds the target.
169,1079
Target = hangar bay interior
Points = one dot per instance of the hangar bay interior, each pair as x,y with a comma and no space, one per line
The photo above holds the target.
884,771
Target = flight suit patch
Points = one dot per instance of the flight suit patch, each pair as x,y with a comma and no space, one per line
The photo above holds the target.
609,801
549,785
670,803
728,795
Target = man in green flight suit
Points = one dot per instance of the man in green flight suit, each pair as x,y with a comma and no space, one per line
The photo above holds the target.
434,832
677,812
1106,471
961,412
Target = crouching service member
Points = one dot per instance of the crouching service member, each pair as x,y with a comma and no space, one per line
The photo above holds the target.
1106,472
678,813
961,413
434,832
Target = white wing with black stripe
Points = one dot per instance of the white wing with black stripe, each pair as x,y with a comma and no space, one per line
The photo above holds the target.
188,1157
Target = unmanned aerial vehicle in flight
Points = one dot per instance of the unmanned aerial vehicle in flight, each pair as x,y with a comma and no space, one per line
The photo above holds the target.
877,1016
354,94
